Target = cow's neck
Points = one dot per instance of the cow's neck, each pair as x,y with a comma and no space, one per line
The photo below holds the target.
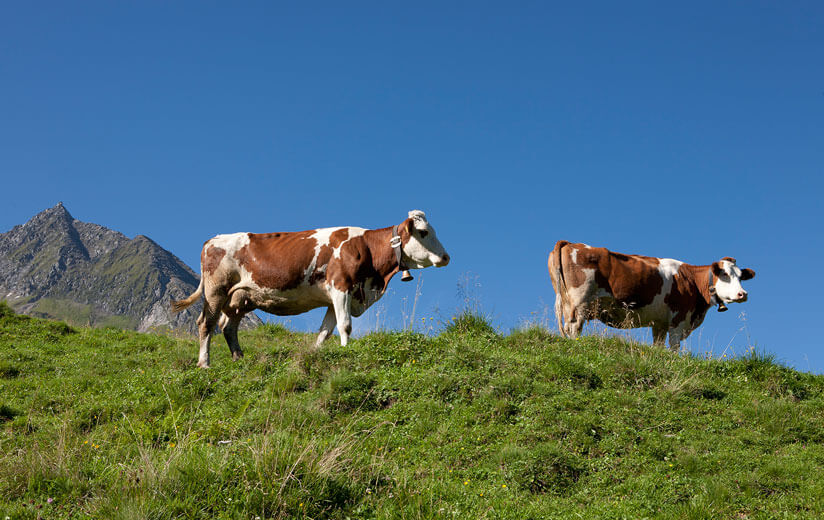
383,258
701,280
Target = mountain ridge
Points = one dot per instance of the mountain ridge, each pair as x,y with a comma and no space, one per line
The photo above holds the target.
55,266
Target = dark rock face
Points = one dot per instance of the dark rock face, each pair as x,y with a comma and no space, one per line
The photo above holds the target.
57,267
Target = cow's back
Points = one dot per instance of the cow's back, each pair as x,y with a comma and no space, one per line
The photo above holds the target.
634,280
277,260
631,281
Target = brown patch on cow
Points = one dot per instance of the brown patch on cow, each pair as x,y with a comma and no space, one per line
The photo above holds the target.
210,258
338,237
277,260
383,256
689,293
729,259
634,280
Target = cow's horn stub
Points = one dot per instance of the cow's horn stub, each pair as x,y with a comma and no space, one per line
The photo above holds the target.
417,214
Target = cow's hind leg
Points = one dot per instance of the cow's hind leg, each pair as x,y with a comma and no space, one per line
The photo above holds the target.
229,324
574,322
327,326
206,322
239,304
341,300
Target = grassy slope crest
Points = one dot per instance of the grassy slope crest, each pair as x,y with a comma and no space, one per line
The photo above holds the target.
470,423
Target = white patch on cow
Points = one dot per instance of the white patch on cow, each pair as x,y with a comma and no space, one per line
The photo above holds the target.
574,255
231,242
668,267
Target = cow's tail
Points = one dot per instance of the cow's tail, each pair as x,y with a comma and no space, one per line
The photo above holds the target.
179,305
556,273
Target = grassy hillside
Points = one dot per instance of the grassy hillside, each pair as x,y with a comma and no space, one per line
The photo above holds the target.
104,423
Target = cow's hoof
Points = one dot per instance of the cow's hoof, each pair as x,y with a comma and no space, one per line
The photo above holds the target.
237,355
203,365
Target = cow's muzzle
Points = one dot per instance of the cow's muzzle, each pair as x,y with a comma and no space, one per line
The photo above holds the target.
443,261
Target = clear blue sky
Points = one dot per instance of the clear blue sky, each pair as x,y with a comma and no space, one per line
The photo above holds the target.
690,131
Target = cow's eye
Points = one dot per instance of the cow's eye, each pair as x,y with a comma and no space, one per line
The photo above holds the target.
423,233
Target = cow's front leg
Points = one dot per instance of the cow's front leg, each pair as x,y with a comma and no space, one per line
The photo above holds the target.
326,326
341,301
659,334
675,336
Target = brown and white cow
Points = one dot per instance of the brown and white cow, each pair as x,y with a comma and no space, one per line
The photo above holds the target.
630,291
345,269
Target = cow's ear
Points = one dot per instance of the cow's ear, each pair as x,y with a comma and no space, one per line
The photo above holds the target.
408,226
717,270
747,274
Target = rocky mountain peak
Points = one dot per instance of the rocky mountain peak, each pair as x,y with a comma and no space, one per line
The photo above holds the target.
57,214
58,267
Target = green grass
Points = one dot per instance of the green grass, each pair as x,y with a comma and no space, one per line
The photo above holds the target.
106,423
79,314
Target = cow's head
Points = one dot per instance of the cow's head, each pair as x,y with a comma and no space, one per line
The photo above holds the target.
421,247
728,278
